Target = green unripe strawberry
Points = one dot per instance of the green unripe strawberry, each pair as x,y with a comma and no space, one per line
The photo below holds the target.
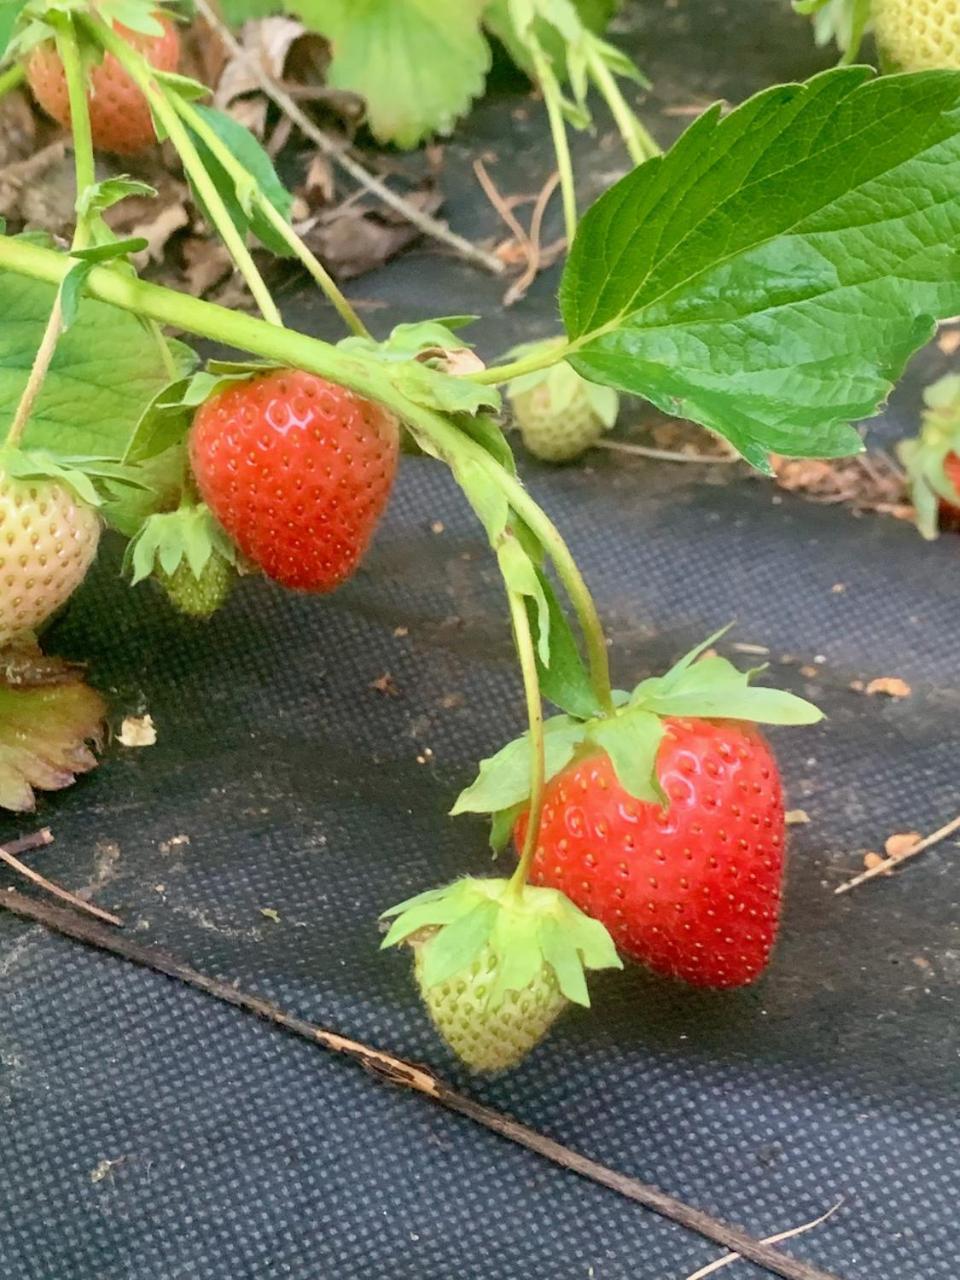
918,35
198,597
560,414
497,962
487,1038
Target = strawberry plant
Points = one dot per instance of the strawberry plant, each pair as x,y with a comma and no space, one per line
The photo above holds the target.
767,278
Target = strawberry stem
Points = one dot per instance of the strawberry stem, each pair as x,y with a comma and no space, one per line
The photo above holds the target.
84,169
545,358
366,376
195,121
553,101
11,79
159,98
523,637
636,138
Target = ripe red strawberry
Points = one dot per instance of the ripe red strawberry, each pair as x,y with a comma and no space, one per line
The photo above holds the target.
120,119
950,511
298,471
691,889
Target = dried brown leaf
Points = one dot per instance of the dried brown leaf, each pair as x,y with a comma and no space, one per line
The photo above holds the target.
51,724
354,238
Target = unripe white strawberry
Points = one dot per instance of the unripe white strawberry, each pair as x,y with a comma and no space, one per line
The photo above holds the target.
48,539
560,414
491,1037
918,35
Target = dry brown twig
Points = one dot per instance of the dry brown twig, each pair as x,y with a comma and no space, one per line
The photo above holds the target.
888,864
428,225
520,286
38,840
727,1258
388,1068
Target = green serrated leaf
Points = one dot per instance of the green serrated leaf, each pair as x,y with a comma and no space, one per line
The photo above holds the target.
504,779
632,739
110,250
770,276
418,65
104,372
237,12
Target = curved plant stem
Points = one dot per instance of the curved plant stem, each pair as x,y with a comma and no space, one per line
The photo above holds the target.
140,71
365,376
523,638
85,176
552,100
638,141
11,78
544,358
195,121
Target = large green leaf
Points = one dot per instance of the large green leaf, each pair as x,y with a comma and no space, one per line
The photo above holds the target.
417,63
105,371
770,276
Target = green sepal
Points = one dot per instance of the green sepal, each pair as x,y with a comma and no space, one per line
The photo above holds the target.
504,778
37,464
190,533
526,931
167,418
696,686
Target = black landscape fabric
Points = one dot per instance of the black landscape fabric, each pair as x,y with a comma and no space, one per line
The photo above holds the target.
152,1134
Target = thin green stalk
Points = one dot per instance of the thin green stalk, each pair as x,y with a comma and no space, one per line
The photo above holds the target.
552,100
639,142
538,771
542,359
11,78
366,377
85,171
140,71
222,153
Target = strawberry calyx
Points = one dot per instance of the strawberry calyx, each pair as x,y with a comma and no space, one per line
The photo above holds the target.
924,457
37,464
700,685
189,535
39,21
527,930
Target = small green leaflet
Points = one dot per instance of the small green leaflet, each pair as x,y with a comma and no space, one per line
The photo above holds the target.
525,932
770,276
241,204
632,739
504,779
418,65
167,418
105,371
563,677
